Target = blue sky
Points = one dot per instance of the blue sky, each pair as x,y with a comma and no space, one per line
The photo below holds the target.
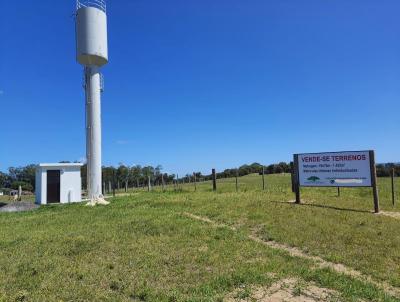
193,85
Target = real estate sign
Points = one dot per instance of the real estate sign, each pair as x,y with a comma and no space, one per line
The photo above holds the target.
335,169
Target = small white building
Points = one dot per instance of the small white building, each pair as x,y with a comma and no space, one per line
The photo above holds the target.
58,183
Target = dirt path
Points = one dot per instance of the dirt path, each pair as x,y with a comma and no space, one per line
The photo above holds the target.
286,290
395,215
319,262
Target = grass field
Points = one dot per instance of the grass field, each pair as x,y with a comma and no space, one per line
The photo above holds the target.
151,247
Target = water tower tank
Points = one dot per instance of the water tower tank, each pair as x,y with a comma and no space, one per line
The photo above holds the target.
91,33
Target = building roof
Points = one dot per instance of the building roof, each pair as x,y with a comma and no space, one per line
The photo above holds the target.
60,165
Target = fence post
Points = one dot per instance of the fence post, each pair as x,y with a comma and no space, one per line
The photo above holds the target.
148,184
236,176
19,193
162,181
338,191
263,180
393,195
194,180
214,179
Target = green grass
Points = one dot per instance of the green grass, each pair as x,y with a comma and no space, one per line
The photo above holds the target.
141,247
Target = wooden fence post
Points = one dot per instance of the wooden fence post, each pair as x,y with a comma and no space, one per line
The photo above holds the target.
236,176
393,195
338,191
194,180
214,179
148,184
263,180
162,182
373,181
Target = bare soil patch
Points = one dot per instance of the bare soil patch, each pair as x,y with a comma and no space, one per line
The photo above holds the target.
286,290
19,206
395,215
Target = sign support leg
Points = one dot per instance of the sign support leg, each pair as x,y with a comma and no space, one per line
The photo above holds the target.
296,177
373,180
298,200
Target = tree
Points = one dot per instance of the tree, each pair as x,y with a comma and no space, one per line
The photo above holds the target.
4,180
24,175
123,174
24,185
136,174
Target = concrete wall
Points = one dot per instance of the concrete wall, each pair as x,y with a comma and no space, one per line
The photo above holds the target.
71,186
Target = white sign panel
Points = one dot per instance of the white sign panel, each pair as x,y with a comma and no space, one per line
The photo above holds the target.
335,169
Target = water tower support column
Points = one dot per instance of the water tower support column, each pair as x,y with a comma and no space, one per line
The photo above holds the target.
93,134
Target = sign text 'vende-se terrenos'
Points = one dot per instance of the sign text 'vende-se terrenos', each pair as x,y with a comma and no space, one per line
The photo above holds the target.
335,169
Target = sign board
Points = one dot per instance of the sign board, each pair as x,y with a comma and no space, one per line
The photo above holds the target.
335,169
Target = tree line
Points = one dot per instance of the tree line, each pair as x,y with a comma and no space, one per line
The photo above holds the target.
139,176
385,170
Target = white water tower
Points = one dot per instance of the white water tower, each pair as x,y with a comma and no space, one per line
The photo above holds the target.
92,53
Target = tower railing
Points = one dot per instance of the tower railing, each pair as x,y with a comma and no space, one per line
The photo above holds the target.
100,4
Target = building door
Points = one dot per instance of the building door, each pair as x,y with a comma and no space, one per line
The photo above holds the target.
53,186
